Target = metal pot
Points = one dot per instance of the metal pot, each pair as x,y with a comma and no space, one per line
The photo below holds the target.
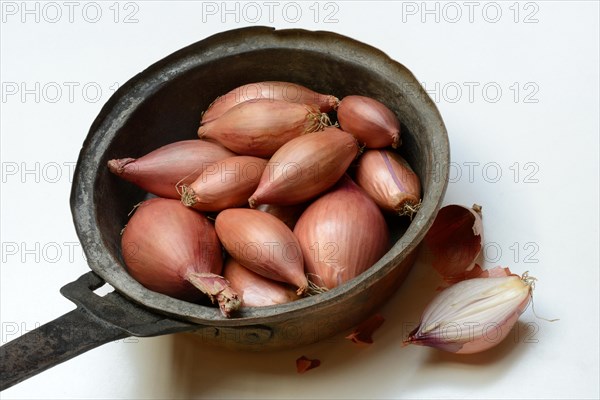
162,104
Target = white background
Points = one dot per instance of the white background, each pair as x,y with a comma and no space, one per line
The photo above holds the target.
528,153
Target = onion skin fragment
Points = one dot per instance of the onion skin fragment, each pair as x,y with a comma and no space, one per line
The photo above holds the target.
255,290
161,170
271,90
453,243
304,364
174,250
363,334
341,234
371,122
473,315
225,184
259,127
263,244
390,181
305,167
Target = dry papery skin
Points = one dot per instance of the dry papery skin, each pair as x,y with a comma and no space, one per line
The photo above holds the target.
270,90
226,184
263,244
160,171
304,364
255,290
259,127
453,243
305,167
330,228
390,181
370,121
363,333
174,250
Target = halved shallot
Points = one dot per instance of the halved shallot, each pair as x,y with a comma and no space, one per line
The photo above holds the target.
174,250
271,90
390,181
263,244
341,234
304,167
256,290
370,121
159,171
227,183
259,127
473,315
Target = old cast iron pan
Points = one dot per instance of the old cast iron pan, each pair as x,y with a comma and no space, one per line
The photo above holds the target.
161,105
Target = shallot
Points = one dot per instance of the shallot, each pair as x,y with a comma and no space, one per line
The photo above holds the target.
254,289
259,127
263,244
225,184
341,234
160,171
473,315
271,90
304,167
370,121
390,181
174,250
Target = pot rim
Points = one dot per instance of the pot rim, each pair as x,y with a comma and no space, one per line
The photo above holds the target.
124,102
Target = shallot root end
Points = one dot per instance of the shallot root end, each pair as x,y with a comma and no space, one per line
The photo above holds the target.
318,121
188,196
313,288
409,209
302,290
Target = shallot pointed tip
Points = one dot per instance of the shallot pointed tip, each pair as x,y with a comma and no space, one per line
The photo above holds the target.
334,102
217,289
409,209
117,166
253,202
188,196
396,142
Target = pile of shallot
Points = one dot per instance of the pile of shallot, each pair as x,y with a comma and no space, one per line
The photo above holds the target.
264,208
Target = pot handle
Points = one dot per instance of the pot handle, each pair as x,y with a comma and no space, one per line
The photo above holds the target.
96,320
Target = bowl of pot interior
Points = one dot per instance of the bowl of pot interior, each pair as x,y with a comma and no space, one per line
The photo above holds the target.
163,104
